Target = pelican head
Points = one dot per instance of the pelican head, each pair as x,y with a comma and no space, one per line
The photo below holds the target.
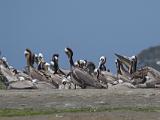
133,57
46,66
27,52
29,57
134,63
103,59
84,62
40,55
81,63
36,59
76,64
35,55
116,61
4,59
55,57
96,72
69,52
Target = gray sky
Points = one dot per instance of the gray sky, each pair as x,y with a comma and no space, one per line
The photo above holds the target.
90,27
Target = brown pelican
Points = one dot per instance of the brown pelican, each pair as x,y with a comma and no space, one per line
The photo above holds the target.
80,63
102,63
104,76
122,73
118,65
134,59
3,61
79,76
29,57
90,67
36,58
54,63
85,65
58,75
146,77
41,62
36,74
15,79
129,62
53,72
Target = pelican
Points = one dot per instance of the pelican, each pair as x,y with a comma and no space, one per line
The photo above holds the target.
146,77
54,63
36,59
15,79
41,62
90,67
3,61
117,62
129,62
36,74
124,59
104,76
134,59
80,63
85,65
122,73
102,63
79,76
29,58
58,76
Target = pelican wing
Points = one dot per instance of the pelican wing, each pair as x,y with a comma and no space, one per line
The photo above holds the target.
42,76
57,80
125,60
26,76
35,74
86,79
110,78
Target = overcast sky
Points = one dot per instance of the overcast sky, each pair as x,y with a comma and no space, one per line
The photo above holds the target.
90,27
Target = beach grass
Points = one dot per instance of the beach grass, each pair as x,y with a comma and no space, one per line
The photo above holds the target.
47,111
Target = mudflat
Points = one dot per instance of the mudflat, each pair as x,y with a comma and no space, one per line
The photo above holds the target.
87,104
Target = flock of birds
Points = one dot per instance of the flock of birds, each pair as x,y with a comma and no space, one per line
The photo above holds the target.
82,73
